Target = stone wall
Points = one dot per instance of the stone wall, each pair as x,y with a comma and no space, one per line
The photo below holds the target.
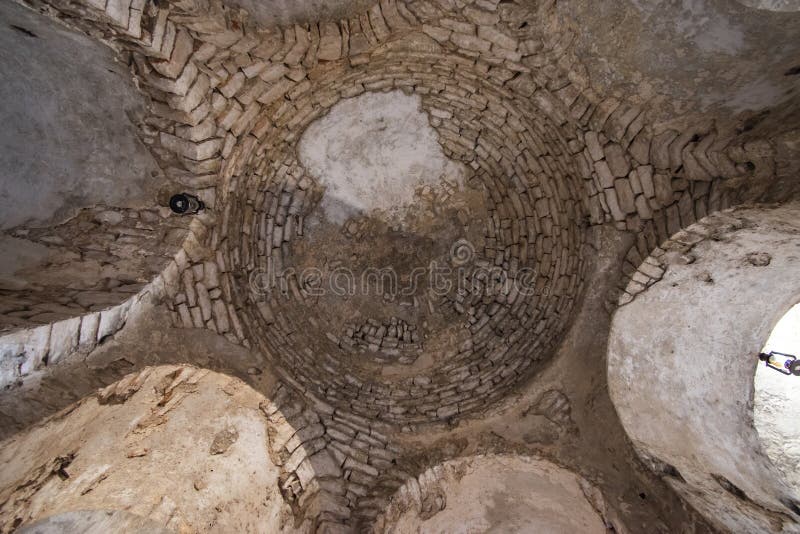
113,238
64,150
559,405
724,60
506,95
26,351
82,229
251,101
285,12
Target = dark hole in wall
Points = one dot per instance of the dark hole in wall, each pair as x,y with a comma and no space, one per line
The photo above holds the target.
794,71
751,122
22,30
730,487
660,467
792,505
63,463
672,472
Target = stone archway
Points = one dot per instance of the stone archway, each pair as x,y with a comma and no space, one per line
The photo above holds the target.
776,400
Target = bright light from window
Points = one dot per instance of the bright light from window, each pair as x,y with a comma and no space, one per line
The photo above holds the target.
777,397
786,336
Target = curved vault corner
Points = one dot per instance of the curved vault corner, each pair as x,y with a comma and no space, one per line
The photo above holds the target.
682,356
177,446
84,227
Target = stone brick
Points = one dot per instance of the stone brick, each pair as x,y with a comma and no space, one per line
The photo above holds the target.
659,149
440,34
184,46
594,146
492,34
604,174
470,42
622,186
196,151
617,162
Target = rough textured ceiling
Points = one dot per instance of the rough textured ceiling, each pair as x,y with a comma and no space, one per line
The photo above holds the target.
570,178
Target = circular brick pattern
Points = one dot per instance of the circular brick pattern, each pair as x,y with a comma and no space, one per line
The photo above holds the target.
522,283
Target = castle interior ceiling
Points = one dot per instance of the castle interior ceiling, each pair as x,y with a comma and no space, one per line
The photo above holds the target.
450,265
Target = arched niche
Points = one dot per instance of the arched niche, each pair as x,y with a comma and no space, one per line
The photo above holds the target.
682,355
181,447
495,493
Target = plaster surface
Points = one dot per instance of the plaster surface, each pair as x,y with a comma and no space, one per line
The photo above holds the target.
94,522
560,414
773,5
693,56
67,141
26,256
372,153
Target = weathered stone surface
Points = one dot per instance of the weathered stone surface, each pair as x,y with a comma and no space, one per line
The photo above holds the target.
470,42
64,339
181,52
622,186
617,163
330,44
